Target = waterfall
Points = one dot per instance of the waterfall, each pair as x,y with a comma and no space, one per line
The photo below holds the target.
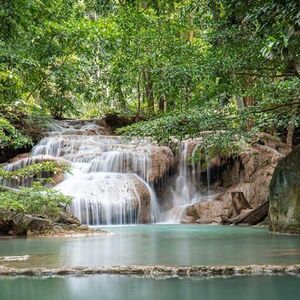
111,180
108,179
184,190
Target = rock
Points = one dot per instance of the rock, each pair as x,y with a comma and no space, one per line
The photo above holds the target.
285,195
239,203
13,224
67,218
38,225
272,141
157,271
162,159
25,160
18,224
209,210
82,127
251,173
83,227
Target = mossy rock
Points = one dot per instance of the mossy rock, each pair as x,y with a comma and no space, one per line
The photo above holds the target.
284,195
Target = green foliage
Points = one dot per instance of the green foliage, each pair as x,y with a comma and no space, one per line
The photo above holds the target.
10,136
35,200
220,144
185,66
38,172
245,50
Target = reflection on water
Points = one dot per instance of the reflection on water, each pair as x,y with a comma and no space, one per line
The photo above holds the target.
158,244
118,287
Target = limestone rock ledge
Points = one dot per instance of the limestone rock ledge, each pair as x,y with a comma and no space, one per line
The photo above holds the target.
156,271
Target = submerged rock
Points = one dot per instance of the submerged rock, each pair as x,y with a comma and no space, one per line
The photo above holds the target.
285,195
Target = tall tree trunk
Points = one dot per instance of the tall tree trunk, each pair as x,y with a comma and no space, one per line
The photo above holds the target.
248,100
149,91
120,93
139,97
162,103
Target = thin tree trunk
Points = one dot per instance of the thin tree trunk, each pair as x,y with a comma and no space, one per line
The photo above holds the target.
122,100
139,97
290,132
149,92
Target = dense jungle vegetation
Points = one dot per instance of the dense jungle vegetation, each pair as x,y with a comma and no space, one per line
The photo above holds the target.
177,67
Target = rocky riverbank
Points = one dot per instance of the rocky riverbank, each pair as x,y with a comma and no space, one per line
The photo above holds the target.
17,225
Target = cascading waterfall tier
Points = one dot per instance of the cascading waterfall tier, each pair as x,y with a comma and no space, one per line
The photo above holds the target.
185,189
108,179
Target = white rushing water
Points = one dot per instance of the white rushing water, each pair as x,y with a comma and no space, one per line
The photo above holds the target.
184,191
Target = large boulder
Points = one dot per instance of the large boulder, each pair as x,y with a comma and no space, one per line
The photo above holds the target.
251,173
21,224
284,195
208,210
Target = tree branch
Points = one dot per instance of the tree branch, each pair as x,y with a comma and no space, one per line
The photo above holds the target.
270,76
278,106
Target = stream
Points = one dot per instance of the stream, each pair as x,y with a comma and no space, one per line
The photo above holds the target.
131,288
157,244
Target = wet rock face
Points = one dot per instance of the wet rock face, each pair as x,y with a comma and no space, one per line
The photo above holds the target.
251,173
284,196
162,159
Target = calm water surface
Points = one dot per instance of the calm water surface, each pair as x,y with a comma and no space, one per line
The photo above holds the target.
158,244
125,288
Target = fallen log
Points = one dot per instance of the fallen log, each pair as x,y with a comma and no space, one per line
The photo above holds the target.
252,217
